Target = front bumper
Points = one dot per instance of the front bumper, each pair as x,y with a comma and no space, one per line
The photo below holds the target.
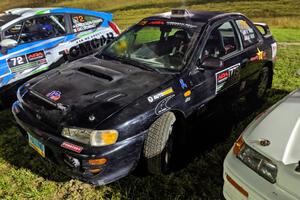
122,157
238,179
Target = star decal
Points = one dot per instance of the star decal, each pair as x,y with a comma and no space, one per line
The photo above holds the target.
260,54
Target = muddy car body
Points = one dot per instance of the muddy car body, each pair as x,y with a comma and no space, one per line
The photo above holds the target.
100,115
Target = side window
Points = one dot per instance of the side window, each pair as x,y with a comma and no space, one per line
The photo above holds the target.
221,42
14,32
248,35
85,22
39,28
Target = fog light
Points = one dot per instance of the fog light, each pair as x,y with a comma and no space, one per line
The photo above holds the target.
100,161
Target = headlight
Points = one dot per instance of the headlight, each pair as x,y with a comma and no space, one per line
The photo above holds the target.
257,162
92,137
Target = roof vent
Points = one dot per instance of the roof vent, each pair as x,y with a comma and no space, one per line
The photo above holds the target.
180,13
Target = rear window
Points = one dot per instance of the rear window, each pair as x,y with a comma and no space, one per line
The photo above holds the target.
248,34
85,22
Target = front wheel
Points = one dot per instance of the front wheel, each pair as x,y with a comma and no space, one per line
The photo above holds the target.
158,147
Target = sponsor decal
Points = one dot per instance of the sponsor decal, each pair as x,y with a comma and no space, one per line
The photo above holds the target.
187,99
79,18
156,22
54,95
160,95
88,45
72,147
260,55
181,24
187,93
182,84
162,106
36,56
227,77
17,61
23,62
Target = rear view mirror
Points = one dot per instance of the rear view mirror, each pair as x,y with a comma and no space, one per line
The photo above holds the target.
7,44
211,63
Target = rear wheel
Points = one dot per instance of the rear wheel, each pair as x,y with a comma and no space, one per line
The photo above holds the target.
158,147
258,93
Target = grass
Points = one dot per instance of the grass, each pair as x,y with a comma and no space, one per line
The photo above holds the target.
25,175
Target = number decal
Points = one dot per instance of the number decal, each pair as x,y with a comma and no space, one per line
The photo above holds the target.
23,62
16,61
79,19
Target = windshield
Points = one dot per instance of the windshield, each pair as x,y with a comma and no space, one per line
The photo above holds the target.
155,44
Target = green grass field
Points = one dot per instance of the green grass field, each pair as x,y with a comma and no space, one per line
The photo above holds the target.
25,175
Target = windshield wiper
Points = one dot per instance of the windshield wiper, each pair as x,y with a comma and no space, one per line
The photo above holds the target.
137,64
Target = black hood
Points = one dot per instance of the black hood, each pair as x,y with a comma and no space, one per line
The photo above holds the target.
95,87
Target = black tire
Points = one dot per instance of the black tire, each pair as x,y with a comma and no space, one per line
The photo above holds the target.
158,145
258,93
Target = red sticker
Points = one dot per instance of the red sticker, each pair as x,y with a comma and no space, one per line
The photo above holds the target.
35,56
72,147
156,22
223,75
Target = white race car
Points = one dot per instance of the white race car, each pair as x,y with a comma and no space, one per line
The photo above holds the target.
33,40
264,161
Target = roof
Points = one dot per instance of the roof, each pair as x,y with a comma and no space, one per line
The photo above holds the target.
7,18
38,11
194,16
28,12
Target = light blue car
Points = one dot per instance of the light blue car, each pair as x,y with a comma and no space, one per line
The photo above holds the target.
34,40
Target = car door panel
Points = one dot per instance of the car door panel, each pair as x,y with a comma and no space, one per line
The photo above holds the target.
217,80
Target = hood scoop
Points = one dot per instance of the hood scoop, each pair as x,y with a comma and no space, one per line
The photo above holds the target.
95,73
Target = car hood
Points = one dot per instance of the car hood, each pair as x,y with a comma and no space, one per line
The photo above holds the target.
280,125
94,87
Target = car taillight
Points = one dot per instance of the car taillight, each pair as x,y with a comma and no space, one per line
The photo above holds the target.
238,145
114,27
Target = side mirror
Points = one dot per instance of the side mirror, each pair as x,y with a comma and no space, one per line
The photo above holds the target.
8,43
211,63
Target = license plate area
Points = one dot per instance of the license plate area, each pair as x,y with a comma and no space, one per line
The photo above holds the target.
36,145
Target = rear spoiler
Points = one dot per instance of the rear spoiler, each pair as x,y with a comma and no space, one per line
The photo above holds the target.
263,28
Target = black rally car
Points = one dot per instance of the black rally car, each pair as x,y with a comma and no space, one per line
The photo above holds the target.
97,117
